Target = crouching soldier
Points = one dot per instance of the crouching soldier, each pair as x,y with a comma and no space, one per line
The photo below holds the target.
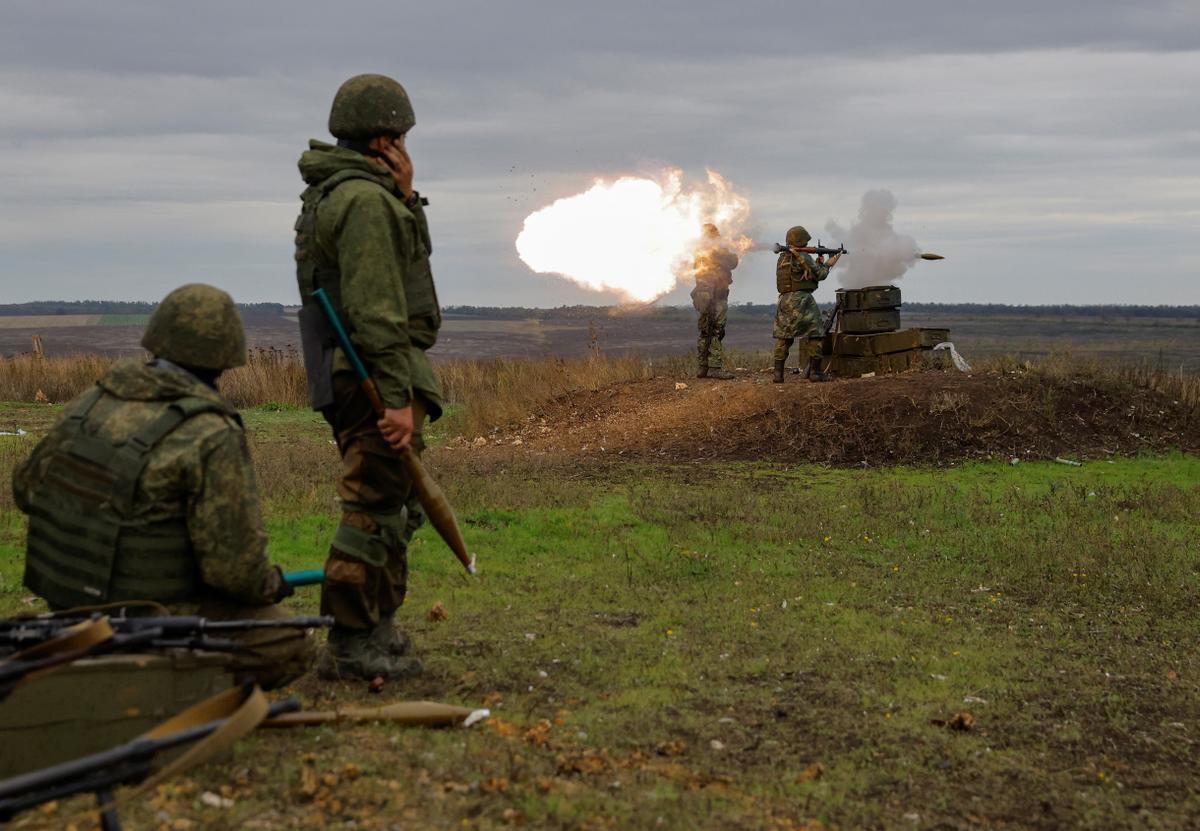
144,490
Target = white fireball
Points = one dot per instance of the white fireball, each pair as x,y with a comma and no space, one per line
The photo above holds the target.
633,236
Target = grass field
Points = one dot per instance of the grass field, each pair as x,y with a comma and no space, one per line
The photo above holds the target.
745,646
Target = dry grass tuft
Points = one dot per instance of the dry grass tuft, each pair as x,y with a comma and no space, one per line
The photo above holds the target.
58,379
1179,386
497,392
503,390
270,376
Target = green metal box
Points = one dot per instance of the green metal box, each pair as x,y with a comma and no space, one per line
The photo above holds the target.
872,297
870,321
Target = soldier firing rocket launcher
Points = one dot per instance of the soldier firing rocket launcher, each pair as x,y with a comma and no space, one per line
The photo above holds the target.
841,249
809,249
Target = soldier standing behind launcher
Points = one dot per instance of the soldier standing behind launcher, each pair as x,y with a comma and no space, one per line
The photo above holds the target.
714,265
144,490
363,238
798,316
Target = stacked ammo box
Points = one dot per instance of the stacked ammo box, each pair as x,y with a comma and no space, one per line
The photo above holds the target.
866,337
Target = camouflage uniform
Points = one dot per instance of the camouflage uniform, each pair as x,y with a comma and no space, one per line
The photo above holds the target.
157,451
368,247
714,267
798,316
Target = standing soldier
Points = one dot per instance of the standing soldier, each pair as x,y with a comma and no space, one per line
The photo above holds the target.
363,238
714,265
798,316
144,490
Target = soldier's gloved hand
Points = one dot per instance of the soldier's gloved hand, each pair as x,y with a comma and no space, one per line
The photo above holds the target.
285,589
397,427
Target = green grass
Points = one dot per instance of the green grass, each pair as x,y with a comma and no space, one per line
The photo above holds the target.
751,646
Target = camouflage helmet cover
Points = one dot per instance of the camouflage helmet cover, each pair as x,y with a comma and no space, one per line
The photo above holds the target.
197,326
370,105
797,236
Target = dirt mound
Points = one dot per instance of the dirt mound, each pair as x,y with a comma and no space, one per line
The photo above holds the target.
914,418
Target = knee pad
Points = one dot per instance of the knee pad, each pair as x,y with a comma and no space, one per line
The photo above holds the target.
373,549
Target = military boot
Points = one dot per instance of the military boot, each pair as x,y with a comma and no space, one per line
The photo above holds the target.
814,373
702,371
386,636
719,373
351,653
778,378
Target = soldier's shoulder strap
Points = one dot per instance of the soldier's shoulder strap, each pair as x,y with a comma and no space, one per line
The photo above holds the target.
128,459
802,262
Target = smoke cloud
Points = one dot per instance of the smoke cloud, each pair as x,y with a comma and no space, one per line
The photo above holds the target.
877,254
632,236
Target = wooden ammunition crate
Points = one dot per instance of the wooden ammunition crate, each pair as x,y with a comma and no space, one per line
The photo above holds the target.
95,704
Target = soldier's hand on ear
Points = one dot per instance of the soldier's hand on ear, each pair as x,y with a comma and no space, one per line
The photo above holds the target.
393,155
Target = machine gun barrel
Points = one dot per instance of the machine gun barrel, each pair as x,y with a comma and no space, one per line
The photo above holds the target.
28,632
98,773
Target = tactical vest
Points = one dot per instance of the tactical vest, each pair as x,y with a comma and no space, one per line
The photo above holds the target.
85,544
315,271
787,280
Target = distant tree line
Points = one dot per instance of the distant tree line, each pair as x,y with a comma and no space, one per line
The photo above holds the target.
655,312
756,310
114,307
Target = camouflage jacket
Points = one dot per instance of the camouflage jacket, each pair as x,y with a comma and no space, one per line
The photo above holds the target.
798,272
380,245
200,473
714,266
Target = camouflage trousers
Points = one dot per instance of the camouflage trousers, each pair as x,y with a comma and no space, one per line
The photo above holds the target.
797,316
271,657
366,575
713,305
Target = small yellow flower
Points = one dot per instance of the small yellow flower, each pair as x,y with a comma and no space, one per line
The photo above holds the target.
956,653
670,633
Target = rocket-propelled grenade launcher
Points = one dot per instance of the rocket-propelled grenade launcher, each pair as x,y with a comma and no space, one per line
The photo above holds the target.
841,249
437,507
810,249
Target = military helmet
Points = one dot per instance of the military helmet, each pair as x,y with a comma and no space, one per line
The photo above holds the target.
197,326
370,105
797,236
710,230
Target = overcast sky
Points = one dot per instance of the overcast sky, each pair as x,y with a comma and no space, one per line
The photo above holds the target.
1050,151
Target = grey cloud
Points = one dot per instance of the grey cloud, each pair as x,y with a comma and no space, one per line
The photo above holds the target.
476,37
1065,123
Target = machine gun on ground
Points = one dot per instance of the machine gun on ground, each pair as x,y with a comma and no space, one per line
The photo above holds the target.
42,643
20,633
